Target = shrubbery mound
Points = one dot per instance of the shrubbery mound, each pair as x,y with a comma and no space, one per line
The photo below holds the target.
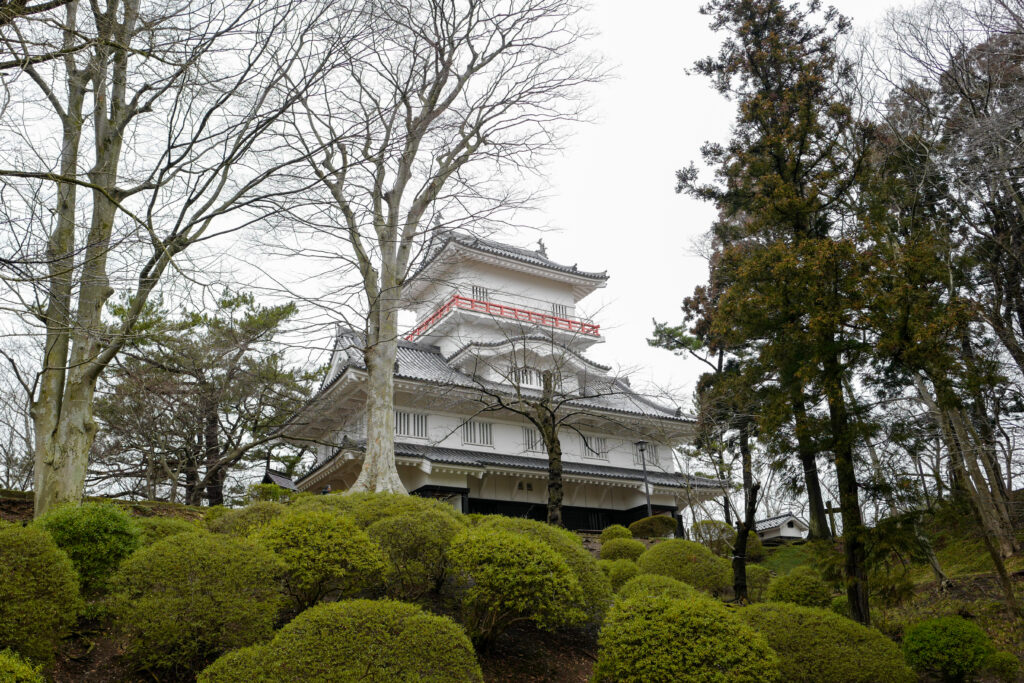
595,587
96,536
416,547
690,563
326,555
14,669
803,586
716,536
157,528
654,584
243,521
658,638
615,531
951,648
39,599
658,526
507,577
355,640
618,571
184,601
758,578
622,549
818,646
367,508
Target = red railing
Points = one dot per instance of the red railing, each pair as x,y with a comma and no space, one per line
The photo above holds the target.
504,311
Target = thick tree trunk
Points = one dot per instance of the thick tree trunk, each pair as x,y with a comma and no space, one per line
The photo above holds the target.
750,490
817,519
215,471
379,472
548,425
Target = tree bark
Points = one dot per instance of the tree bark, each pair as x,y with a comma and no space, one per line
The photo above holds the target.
545,419
817,519
379,472
750,491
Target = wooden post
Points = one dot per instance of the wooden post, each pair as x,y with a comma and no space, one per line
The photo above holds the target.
831,511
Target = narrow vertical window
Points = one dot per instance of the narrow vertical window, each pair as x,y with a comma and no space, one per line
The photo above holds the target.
595,447
477,433
532,441
480,293
560,310
410,424
651,453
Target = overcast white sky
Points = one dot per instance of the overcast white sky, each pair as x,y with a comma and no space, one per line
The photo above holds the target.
614,205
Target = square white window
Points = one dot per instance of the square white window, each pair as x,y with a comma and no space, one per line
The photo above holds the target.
477,433
595,447
560,310
525,377
410,424
532,441
480,293
650,451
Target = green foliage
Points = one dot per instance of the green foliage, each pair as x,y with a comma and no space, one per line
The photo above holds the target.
39,598
1003,666
758,579
658,526
157,528
594,585
366,508
658,638
184,601
785,558
802,586
951,648
840,605
718,536
268,492
818,646
507,577
690,563
618,571
622,549
615,531
326,555
14,669
653,584
377,641
755,549
244,521
96,536
416,546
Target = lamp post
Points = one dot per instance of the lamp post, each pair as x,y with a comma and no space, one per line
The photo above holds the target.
641,446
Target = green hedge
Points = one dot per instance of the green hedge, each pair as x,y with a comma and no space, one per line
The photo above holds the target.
157,528
758,579
326,555
658,638
716,536
356,640
658,526
653,584
690,563
507,577
618,571
243,521
803,586
39,598
184,601
96,536
366,508
951,648
416,547
622,549
818,646
615,531
14,669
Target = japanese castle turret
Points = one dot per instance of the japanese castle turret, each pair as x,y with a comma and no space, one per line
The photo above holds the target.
491,321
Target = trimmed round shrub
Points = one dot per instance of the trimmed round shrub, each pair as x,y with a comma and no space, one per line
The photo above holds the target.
244,521
416,548
690,563
355,640
658,526
841,606
14,669
595,586
39,599
366,508
507,577
615,531
325,555
184,601
755,549
716,536
157,528
96,536
622,549
659,638
818,646
618,571
1003,666
803,586
758,578
951,648
651,585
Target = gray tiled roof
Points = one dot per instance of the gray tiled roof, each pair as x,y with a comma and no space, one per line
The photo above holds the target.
772,522
282,480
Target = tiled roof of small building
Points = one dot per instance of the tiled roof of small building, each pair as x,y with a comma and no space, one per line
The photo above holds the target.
279,478
772,522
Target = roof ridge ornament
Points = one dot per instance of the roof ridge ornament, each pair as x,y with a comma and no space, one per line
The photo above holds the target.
541,249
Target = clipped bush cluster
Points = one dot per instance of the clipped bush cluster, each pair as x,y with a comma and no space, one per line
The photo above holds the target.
802,586
325,555
818,646
951,648
658,526
157,528
618,571
690,563
659,638
716,535
758,578
364,640
508,577
622,549
416,546
184,601
651,585
14,669
243,521
95,536
367,508
615,531
39,595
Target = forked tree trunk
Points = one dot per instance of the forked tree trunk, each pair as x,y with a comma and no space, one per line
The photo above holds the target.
379,473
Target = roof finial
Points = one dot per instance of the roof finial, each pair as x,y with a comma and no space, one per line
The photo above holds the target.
541,249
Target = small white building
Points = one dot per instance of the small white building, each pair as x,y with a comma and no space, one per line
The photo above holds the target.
490,319
782,528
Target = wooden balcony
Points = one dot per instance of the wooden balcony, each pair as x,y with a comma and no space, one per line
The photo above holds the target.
505,311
